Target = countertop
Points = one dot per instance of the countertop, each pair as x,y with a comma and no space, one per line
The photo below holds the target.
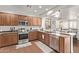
48,32
59,34
3,32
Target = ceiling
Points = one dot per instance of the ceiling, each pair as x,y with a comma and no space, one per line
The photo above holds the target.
32,10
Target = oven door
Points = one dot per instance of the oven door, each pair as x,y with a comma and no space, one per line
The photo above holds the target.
23,36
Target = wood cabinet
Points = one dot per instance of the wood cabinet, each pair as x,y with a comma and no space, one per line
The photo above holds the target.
8,39
33,35
2,18
45,38
62,44
7,19
21,17
29,19
57,43
36,21
40,36
1,38
12,20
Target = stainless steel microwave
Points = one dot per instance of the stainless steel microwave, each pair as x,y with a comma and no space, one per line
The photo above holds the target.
23,23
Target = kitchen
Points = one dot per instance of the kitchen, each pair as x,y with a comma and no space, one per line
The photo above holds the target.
39,28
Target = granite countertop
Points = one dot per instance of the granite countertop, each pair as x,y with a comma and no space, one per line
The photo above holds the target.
59,34
2,32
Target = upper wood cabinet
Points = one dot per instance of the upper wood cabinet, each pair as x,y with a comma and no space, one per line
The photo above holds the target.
29,20
2,18
36,21
11,20
8,19
21,17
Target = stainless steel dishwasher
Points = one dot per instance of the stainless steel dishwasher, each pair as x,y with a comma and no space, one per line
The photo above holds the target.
54,42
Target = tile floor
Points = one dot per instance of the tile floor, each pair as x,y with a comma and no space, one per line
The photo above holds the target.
33,48
29,49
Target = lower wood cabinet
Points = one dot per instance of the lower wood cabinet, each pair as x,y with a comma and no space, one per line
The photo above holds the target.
44,37
40,36
33,35
62,44
47,39
8,39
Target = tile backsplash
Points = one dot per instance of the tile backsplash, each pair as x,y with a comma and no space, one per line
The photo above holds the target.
7,28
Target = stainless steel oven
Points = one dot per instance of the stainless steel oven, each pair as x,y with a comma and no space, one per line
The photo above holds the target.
23,36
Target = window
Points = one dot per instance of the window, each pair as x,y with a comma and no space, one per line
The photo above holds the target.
73,24
65,25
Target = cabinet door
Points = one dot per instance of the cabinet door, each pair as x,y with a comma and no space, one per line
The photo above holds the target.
39,36
38,21
8,39
62,41
12,38
32,36
47,39
5,19
4,40
14,20
29,19
0,40
8,19
2,19
34,21
21,17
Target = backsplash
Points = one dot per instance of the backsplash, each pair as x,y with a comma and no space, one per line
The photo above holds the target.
7,28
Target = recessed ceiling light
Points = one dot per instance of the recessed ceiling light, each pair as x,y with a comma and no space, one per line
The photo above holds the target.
40,6
35,10
46,9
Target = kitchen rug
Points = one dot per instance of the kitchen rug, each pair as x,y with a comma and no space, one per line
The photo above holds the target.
23,45
43,47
